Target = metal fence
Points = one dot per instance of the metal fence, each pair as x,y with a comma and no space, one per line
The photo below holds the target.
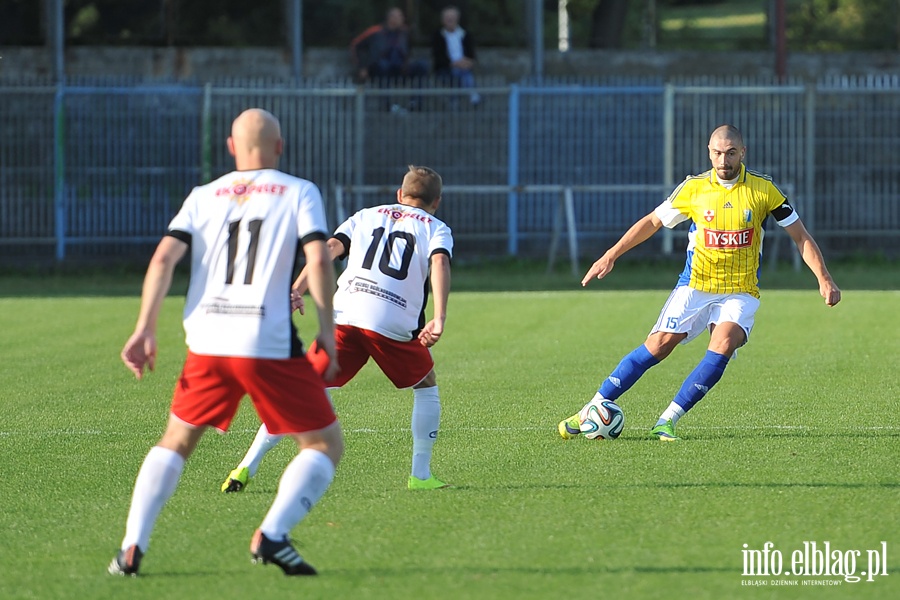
97,168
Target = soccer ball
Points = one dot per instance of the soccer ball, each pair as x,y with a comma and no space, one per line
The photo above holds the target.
602,420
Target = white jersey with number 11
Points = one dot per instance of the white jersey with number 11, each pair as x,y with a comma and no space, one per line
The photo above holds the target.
245,229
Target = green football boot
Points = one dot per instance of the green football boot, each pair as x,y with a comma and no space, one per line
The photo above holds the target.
570,428
237,480
432,483
665,432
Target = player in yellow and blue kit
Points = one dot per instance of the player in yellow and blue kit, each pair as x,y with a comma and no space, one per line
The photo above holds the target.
719,287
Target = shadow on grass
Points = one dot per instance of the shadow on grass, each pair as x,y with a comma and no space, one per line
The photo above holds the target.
733,434
417,571
587,569
800,434
676,485
488,275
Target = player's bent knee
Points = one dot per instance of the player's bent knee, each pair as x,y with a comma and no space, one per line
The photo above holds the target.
328,441
661,343
180,437
428,381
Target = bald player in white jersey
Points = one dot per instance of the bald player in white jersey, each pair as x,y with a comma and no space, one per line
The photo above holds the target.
243,230
392,252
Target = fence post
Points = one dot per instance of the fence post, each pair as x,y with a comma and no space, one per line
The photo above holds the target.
59,170
206,135
668,154
569,204
339,210
555,231
809,186
512,175
359,140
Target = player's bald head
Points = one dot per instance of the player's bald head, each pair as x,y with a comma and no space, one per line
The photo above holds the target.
728,133
255,139
255,127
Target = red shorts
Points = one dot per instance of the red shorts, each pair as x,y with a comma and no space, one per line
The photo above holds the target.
404,363
289,396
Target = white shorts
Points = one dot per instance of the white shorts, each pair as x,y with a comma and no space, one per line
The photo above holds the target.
692,312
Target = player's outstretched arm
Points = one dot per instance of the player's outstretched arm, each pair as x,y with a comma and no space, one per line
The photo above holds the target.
140,349
636,234
336,250
440,288
813,258
320,278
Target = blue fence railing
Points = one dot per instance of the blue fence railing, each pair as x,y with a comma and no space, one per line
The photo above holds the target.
93,168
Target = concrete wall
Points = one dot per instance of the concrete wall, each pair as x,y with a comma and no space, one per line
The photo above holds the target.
204,64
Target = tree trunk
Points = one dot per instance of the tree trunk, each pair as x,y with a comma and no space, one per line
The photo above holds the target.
607,23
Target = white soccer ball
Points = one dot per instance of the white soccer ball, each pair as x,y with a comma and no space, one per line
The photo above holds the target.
601,420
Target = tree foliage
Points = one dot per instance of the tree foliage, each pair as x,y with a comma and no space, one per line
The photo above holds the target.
176,22
21,23
813,25
829,25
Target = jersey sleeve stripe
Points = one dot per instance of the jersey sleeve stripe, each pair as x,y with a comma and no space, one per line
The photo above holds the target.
344,239
315,236
441,251
183,236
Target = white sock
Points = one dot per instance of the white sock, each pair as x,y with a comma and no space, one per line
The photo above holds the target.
426,418
597,398
155,484
262,443
674,412
304,481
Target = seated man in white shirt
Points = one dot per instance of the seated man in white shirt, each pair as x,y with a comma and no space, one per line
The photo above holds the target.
453,52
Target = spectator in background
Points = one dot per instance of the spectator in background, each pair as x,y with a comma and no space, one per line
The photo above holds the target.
453,52
383,51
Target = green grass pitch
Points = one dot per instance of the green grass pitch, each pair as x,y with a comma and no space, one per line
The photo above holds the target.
799,442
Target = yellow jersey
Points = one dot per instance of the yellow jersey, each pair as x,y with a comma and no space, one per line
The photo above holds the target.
727,228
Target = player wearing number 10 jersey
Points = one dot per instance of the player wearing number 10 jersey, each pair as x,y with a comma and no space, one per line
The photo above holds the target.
384,287
393,252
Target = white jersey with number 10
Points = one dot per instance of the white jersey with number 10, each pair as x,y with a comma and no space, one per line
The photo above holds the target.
385,285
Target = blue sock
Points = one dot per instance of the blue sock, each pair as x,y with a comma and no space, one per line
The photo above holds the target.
627,373
704,376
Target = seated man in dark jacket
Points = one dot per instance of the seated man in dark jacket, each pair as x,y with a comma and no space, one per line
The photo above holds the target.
384,50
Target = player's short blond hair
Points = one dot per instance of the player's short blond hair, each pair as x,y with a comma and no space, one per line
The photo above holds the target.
422,183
